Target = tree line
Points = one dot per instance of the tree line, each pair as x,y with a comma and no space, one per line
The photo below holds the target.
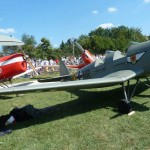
97,42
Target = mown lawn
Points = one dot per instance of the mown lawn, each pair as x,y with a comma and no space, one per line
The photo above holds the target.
86,120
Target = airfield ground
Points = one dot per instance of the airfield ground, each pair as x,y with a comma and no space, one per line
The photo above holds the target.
86,120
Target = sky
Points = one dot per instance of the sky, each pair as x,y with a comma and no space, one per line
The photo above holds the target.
59,20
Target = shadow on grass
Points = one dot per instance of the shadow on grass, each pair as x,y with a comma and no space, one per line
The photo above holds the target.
87,101
4,97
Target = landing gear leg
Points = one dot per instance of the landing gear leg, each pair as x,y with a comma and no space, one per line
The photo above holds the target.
124,105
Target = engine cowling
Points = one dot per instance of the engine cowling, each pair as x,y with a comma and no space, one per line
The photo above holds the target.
12,65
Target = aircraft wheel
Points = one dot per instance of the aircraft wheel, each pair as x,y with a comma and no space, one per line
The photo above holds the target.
124,107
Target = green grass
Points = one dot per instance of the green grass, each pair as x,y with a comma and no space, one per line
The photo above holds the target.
87,120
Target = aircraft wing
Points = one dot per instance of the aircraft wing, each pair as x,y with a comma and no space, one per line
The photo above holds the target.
9,41
79,84
112,79
127,74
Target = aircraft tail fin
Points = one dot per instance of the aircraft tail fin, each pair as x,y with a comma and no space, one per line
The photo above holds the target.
63,69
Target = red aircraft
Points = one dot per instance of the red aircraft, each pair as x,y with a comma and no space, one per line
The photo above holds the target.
14,64
86,57
11,66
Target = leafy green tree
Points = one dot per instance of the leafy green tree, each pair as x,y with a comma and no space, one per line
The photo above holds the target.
66,48
7,50
62,46
97,41
29,46
56,53
114,38
1,54
84,41
44,49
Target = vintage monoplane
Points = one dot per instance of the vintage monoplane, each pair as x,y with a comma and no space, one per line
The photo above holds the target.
116,68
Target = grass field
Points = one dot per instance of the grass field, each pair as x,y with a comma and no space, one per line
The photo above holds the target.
86,120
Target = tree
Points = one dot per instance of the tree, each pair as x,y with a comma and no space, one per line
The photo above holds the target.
29,46
84,41
115,38
44,49
7,50
1,54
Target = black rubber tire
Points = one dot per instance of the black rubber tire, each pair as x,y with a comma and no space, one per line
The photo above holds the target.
124,107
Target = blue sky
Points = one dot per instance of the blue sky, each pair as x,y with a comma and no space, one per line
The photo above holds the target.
59,20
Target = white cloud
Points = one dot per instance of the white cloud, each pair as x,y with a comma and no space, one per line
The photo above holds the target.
106,25
95,12
7,31
146,1
112,9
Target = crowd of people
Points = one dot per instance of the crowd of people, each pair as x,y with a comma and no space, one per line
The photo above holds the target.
53,65
69,60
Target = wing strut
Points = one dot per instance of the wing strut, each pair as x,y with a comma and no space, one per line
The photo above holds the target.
147,83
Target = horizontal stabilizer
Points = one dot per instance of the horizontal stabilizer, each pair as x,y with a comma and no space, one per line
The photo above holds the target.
60,78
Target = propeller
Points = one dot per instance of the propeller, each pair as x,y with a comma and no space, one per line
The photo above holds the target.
74,41
87,57
28,60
